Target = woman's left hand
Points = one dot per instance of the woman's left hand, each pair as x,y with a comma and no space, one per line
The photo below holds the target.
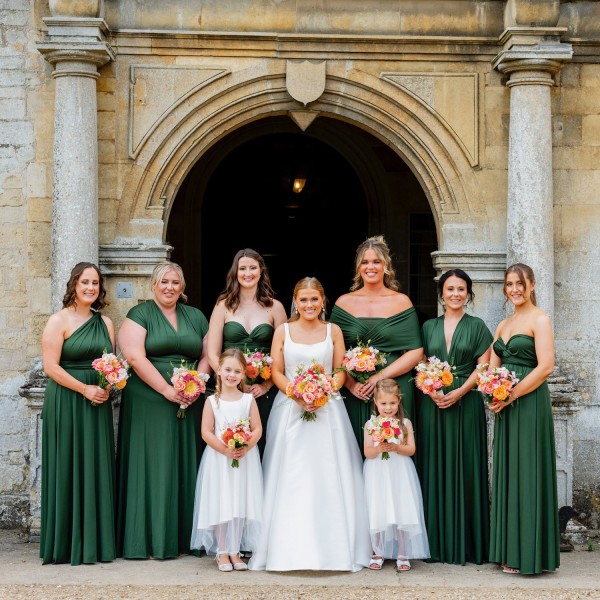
449,399
496,407
258,389
365,390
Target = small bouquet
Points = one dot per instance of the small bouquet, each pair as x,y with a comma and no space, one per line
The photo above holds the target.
495,383
382,429
258,366
432,375
236,435
363,360
312,385
189,383
112,370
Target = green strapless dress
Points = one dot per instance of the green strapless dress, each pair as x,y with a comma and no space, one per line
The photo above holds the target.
158,454
525,533
394,335
260,338
78,459
452,450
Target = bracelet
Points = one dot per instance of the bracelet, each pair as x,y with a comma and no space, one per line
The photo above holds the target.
84,388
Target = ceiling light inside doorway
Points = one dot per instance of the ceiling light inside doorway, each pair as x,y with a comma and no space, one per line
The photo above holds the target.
298,185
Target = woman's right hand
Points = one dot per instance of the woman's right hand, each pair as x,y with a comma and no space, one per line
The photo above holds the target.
172,395
95,394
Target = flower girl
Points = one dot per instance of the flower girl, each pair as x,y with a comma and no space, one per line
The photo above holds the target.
392,488
228,504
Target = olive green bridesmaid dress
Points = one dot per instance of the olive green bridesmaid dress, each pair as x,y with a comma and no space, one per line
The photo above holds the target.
158,454
452,450
393,335
525,533
78,459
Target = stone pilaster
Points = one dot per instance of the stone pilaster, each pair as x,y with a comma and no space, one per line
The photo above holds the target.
531,56
76,47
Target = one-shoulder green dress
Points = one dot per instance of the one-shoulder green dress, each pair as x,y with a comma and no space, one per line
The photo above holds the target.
158,454
78,459
452,450
260,338
393,335
525,533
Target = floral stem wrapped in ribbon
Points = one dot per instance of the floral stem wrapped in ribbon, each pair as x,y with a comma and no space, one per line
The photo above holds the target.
258,366
432,375
237,435
189,383
495,383
363,361
112,370
313,386
383,429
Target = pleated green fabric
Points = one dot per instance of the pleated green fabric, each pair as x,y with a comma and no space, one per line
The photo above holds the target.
394,335
525,533
158,454
78,459
260,338
452,451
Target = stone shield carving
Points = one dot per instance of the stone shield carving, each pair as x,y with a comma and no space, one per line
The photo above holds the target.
305,81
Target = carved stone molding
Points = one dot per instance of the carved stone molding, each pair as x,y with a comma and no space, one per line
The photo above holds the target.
75,8
482,267
134,258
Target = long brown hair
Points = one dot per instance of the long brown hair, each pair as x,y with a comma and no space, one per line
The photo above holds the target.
70,297
378,244
524,272
231,294
230,353
391,386
308,283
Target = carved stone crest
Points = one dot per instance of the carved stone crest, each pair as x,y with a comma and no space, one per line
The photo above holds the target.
305,81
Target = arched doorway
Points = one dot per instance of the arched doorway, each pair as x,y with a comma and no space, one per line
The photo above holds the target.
241,194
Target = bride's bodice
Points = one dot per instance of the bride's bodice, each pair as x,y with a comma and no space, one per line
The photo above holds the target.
295,353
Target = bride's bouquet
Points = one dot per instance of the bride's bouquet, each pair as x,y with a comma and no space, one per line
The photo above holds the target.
363,360
432,375
495,383
258,366
236,435
312,385
189,383
112,370
383,429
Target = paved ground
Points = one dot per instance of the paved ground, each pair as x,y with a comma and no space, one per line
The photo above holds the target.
23,577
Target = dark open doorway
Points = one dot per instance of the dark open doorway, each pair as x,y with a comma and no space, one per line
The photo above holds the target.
241,194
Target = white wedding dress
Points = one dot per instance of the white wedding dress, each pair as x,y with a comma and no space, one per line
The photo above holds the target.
314,515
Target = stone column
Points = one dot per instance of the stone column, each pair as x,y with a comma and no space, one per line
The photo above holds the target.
530,58
76,47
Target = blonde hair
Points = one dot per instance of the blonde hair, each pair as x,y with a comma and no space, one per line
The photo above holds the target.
378,244
161,269
391,386
308,283
237,355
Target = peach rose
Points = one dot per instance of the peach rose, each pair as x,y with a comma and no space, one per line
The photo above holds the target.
447,378
500,393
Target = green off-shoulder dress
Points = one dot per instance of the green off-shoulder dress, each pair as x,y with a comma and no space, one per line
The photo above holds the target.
158,454
78,459
393,335
452,450
260,338
525,533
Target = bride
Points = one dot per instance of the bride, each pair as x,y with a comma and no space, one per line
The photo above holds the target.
314,508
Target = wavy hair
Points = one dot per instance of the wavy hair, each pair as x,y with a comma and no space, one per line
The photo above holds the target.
70,297
231,294
378,244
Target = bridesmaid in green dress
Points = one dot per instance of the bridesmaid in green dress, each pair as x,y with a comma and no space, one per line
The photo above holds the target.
78,451
245,317
452,441
158,454
525,535
375,311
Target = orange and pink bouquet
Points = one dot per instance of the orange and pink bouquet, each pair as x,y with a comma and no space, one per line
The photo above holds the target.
258,366
112,370
313,386
189,383
363,360
237,435
495,383
383,429
432,375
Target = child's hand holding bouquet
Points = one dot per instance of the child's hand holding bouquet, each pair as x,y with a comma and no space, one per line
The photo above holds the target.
384,431
236,436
